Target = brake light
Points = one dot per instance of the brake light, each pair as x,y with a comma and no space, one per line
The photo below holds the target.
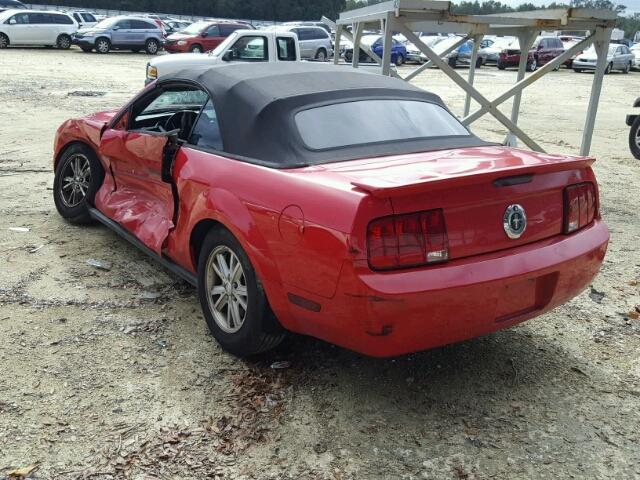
579,206
411,240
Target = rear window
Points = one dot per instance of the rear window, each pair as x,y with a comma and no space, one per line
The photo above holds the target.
375,121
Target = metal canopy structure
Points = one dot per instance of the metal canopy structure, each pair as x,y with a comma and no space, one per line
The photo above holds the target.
409,16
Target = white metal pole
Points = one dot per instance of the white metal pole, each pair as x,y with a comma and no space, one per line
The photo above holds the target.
387,44
526,40
601,43
472,71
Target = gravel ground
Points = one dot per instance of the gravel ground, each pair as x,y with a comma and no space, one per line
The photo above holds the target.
110,373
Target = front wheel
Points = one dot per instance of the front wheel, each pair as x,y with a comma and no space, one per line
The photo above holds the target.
103,45
78,177
501,65
533,65
196,48
232,298
479,62
63,42
321,55
627,68
634,138
152,46
608,69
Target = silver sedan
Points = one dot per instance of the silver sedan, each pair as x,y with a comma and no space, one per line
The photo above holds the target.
619,57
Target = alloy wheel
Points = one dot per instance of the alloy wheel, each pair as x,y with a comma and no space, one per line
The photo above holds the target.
103,46
152,47
76,177
226,288
64,43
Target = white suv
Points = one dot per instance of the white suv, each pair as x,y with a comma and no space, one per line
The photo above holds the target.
34,27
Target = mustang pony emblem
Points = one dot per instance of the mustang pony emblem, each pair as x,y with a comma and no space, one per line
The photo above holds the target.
514,221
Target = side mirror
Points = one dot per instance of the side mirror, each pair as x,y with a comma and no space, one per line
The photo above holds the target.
204,34
228,56
539,47
116,28
12,21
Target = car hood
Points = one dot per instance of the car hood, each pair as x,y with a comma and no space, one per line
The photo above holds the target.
184,59
180,36
91,29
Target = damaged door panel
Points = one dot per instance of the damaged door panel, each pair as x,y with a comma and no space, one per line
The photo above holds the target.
142,202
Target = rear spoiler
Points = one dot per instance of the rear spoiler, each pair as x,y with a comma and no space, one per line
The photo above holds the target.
385,188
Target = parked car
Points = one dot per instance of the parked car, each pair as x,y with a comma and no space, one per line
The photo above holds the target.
322,25
174,26
333,203
414,54
121,33
636,56
569,41
619,57
398,50
240,46
84,19
202,36
36,28
462,55
490,48
544,50
11,5
315,42
634,134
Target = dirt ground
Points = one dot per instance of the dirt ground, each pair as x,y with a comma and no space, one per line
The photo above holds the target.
111,373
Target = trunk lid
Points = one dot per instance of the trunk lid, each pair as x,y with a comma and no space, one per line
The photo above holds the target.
474,187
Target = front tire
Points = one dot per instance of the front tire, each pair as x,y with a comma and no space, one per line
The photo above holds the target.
196,48
634,138
627,69
79,175
232,298
103,45
479,62
321,55
532,66
501,65
152,46
86,49
608,69
4,41
63,42
399,60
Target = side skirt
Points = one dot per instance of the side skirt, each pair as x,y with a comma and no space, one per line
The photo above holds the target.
165,262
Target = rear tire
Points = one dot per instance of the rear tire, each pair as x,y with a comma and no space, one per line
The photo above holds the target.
577,70
627,69
4,41
79,175
479,62
501,65
531,67
452,62
240,331
103,45
152,46
321,55
348,57
63,42
196,48
399,60
634,138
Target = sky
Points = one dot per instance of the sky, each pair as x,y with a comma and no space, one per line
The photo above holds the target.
633,6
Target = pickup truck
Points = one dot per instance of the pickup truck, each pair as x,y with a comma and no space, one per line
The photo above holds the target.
240,46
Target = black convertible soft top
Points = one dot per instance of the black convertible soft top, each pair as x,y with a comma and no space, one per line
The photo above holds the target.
256,105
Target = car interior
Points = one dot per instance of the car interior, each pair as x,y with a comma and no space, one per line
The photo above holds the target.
168,110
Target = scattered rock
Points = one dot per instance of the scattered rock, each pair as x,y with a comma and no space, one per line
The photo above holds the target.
596,295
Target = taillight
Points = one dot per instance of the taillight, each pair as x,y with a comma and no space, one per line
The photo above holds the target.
410,240
579,206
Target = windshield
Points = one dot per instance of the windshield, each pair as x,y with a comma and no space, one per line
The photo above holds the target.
106,23
374,121
195,28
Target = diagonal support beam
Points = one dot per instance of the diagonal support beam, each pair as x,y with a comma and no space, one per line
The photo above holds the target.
475,94
519,86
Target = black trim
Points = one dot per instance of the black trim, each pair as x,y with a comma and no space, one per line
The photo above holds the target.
513,180
165,262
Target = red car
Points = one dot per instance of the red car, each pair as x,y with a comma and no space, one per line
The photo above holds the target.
202,36
344,205
544,50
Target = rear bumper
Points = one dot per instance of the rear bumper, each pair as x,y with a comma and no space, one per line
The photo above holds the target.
388,314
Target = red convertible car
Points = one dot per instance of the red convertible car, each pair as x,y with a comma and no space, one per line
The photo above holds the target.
348,206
